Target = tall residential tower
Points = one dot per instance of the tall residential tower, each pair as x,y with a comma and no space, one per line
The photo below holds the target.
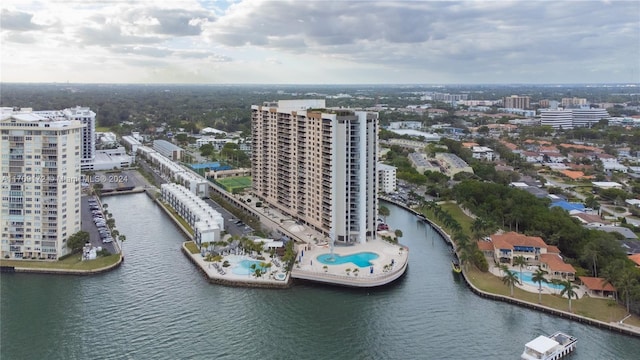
318,165
40,165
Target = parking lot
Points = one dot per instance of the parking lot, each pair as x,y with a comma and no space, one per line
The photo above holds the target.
232,225
94,222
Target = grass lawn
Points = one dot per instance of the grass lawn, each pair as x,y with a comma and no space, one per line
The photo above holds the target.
599,309
192,247
103,129
455,211
72,262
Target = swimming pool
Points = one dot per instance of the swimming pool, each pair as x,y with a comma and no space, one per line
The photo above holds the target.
527,276
360,259
243,267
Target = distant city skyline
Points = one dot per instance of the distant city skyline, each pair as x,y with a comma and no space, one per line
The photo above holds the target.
320,42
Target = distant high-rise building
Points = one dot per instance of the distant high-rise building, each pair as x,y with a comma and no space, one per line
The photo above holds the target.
40,163
88,119
318,165
557,119
573,102
516,102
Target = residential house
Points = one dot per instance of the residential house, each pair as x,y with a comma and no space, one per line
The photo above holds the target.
510,245
532,157
591,220
556,267
598,287
554,157
636,259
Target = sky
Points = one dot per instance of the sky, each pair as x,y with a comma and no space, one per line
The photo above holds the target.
320,42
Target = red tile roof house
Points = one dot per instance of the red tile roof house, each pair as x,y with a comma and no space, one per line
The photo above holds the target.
556,267
510,245
598,287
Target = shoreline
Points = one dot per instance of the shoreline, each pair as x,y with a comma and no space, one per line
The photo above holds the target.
53,271
619,328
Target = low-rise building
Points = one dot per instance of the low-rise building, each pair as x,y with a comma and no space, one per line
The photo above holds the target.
482,153
207,223
387,181
167,149
598,287
452,164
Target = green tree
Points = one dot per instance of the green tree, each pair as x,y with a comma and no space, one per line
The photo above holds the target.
591,252
76,241
398,233
538,277
520,261
384,212
510,278
568,288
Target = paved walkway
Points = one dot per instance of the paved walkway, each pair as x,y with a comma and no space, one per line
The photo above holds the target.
388,266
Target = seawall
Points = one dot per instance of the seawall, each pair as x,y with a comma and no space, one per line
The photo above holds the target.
619,328
17,269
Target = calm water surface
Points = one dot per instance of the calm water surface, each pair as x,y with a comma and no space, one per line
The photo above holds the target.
157,306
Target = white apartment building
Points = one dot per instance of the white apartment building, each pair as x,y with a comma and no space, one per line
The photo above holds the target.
207,223
167,149
318,165
587,117
482,153
87,118
387,181
557,119
198,185
40,164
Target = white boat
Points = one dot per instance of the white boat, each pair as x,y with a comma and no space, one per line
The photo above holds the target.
551,347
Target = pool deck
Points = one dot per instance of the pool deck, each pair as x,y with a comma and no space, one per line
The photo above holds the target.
229,278
580,291
309,268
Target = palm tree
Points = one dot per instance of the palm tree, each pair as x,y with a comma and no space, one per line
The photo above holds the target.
591,251
122,238
627,280
384,212
510,278
568,288
520,261
480,228
538,277
461,239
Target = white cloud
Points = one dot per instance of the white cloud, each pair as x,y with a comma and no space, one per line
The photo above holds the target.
323,41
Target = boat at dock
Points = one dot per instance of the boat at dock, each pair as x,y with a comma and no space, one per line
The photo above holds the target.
455,266
552,347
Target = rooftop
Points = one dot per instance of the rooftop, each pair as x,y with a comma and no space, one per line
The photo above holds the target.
511,239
